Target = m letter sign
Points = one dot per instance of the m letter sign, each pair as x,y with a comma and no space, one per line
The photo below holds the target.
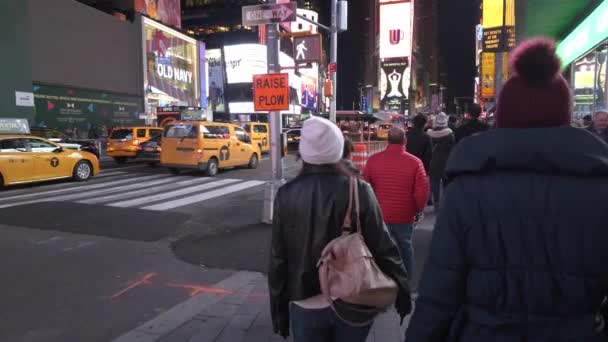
271,92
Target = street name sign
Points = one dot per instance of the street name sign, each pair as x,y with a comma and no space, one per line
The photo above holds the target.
269,14
271,92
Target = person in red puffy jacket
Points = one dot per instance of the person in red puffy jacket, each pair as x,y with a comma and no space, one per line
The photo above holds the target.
402,187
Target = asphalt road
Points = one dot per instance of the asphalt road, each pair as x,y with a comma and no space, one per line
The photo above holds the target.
90,261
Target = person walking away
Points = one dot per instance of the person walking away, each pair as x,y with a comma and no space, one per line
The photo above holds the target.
309,212
443,140
519,250
418,142
453,122
346,163
600,125
472,126
401,185
587,121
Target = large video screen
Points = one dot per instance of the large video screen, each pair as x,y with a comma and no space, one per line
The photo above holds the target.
396,30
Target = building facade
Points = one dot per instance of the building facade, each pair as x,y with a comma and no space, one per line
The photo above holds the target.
581,29
90,70
420,60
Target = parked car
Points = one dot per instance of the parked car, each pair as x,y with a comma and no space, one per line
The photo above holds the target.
149,151
293,138
56,136
124,142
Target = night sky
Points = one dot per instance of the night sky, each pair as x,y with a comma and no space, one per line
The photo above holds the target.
457,44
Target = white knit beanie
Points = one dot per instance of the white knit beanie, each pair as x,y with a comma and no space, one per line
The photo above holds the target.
441,120
322,142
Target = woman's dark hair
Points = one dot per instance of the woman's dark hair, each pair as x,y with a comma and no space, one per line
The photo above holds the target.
420,120
348,148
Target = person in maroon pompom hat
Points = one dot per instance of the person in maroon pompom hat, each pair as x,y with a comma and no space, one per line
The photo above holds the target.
519,247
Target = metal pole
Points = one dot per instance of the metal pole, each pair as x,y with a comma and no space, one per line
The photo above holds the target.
333,57
272,49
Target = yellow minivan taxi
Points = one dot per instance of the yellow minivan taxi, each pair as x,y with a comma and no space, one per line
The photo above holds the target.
29,159
123,142
259,133
207,146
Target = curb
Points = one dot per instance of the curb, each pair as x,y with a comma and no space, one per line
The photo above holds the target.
175,317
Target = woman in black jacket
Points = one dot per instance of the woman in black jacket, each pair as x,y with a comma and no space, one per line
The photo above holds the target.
308,213
519,248
443,140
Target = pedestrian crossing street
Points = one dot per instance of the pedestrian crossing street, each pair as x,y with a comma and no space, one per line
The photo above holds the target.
123,189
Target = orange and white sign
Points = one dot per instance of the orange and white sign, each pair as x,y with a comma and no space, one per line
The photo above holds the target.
271,92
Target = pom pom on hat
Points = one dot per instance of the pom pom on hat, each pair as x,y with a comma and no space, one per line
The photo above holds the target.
535,61
322,142
536,95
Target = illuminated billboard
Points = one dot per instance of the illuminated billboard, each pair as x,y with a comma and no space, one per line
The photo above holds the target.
215,73
394,85
165,11
243,61
171,70
498,25
488,75
395,29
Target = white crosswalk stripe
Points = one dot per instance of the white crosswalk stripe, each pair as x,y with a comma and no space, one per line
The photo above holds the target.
149,199
157,192
204,196
120,195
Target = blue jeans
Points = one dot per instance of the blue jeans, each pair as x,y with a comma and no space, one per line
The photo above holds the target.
436,189
321,325
402,233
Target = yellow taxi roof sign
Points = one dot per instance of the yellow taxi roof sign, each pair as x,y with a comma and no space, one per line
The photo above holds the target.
14,126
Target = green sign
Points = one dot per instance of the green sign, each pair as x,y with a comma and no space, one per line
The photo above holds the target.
84,113
588,34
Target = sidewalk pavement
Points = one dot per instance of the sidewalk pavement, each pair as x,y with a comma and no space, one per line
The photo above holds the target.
235,310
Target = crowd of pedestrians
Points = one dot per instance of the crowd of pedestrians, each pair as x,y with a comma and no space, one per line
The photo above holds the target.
519,241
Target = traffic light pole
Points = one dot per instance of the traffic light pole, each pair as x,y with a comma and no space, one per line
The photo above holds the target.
272,49
333,57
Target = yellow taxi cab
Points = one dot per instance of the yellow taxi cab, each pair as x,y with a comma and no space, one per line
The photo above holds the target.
259,133
382,132
27,159
123,143
207,146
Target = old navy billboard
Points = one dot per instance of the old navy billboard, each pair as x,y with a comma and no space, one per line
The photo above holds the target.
172,64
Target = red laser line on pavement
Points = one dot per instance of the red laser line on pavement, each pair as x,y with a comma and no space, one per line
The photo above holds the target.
196,289
143,280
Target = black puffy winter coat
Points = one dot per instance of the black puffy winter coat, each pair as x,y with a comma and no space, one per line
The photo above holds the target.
443,142
520,248
419,144
309,212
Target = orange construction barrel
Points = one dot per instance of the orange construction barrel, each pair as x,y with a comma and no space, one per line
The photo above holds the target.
359,156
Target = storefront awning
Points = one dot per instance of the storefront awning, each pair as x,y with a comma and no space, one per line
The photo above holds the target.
554,18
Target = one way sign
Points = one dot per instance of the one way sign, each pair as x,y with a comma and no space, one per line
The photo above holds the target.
268,14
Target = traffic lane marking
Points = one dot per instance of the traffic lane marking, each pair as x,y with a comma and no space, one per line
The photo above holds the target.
203,197
81,187
176,193
148,184
171,184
